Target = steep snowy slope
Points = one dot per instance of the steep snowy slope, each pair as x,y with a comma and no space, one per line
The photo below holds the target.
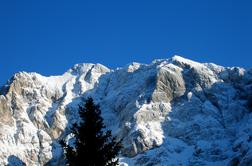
170,112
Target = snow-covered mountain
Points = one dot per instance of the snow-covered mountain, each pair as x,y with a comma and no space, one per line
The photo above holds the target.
170,112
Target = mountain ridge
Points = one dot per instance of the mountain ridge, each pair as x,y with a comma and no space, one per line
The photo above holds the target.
182,111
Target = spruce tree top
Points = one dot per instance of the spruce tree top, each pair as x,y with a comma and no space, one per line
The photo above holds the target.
93,145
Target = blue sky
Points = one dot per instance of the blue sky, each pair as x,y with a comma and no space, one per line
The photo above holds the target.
50,36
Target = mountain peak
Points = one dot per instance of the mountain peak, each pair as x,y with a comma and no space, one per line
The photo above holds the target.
185,62
81,68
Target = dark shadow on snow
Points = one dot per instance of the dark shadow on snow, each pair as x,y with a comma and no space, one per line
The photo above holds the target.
15,161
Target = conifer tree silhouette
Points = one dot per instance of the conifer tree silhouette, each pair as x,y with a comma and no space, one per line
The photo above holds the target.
93,145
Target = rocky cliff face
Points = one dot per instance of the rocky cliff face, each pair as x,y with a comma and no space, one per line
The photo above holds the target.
170,112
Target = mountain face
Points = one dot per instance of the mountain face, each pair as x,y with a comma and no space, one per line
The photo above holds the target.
170,112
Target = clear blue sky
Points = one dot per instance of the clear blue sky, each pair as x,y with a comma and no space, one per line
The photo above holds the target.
49,36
